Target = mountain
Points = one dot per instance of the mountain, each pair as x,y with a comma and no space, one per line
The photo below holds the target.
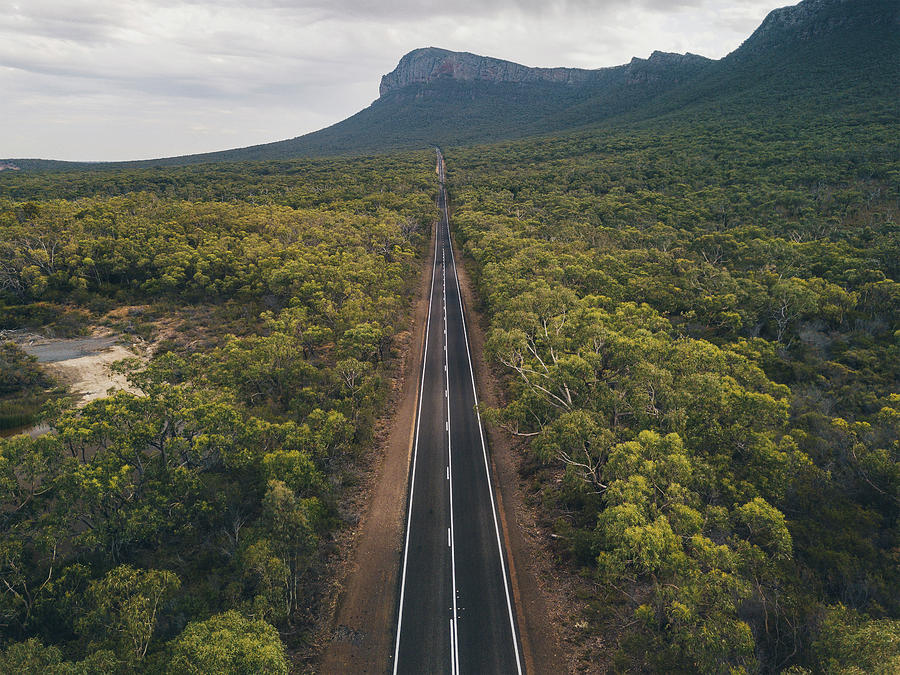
422,67
824,21
812,56
440,97
818,59
437,97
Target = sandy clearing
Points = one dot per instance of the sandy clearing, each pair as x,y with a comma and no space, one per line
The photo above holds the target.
89,377
82,364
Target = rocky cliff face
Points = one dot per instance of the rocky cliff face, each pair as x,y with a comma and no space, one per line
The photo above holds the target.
426,65
423,66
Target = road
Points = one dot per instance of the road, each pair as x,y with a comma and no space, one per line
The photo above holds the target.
456,612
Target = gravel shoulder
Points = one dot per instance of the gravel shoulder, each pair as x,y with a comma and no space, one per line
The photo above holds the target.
543,596
360,635
364,608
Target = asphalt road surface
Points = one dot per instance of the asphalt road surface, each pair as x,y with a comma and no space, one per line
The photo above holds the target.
456,611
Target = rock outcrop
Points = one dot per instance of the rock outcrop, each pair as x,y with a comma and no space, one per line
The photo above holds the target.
423,66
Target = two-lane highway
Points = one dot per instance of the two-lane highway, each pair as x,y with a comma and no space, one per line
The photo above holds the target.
456,611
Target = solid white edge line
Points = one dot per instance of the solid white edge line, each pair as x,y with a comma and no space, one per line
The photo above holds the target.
512,623
452,642
412,482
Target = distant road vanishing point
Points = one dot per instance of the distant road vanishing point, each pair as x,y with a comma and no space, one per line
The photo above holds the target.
456,612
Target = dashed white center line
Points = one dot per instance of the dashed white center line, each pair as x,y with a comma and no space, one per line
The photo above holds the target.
412,482
487,472
454,638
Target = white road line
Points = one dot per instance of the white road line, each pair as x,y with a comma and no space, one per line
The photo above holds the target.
454,655
412,482
452,647
512,623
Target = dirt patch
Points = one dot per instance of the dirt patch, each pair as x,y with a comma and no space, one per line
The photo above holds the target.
82,364
89,377
360,635
546,596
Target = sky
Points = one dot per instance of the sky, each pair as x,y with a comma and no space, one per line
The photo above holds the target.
134,79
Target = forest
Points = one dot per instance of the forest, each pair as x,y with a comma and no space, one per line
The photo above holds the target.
189,529
692,310
697,325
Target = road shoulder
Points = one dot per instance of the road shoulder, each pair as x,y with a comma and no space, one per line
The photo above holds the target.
531,565
361,632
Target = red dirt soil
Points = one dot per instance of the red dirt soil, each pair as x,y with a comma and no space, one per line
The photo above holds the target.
360,637
362,631
542,603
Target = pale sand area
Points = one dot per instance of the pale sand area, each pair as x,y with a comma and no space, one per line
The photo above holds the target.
82,364
89,377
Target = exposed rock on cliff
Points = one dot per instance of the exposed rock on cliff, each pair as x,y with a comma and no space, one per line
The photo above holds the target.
424,66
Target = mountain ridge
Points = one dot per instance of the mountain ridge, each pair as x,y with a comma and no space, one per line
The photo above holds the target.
813,19
439,97
429,64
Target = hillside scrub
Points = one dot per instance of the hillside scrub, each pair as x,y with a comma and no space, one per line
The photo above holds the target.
24,387
181,530
697,324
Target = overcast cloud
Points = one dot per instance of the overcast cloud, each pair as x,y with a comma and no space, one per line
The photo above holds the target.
129,79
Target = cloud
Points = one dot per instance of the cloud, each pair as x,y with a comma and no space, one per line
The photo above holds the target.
107,79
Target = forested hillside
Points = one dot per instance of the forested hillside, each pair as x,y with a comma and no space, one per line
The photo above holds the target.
800,56
691,292
696,319
188,529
